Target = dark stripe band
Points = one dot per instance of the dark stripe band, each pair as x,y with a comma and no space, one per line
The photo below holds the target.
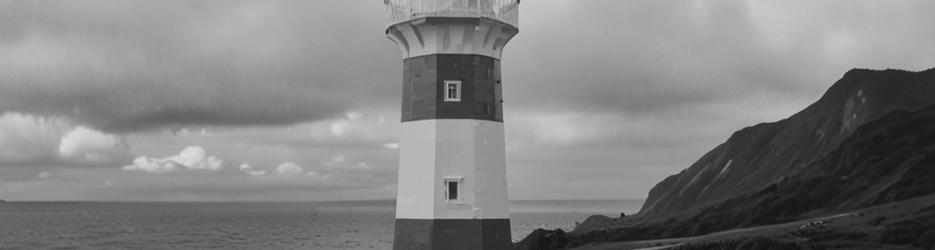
425,91
452,234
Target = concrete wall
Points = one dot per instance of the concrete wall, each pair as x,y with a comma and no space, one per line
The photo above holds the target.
431,150
423,90
460,140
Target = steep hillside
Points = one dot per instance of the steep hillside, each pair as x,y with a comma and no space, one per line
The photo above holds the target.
887,160
758,156
870,140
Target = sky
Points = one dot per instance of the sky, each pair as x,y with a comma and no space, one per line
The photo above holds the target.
297,100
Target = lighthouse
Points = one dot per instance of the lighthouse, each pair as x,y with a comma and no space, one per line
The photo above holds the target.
452,191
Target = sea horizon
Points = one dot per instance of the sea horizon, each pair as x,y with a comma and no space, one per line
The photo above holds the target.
351,224
297,201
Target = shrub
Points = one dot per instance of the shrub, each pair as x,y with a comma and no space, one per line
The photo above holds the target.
760,243
876,221
901,234
927,239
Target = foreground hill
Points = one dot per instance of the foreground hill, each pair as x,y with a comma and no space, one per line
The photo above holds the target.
869,140
908,224
758,156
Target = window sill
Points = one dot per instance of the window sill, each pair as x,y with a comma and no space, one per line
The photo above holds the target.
457,204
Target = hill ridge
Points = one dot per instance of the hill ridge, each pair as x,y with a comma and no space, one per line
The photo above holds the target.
761,154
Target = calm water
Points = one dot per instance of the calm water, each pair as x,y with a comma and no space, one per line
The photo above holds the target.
349,225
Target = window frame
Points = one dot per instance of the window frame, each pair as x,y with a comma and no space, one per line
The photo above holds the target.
447,96
449,191
457,181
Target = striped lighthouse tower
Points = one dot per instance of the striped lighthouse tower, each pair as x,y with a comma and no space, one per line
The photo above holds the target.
452,191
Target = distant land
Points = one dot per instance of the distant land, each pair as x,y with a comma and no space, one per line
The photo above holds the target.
854,170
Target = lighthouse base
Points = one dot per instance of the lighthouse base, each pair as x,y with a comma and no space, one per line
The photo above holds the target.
453,234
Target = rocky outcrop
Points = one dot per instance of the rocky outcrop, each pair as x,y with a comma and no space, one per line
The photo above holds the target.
594,222
542,239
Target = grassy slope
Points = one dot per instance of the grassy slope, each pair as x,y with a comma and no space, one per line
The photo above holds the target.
907,224
885,161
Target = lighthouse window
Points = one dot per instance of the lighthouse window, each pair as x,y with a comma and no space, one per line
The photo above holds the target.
452,194
452,91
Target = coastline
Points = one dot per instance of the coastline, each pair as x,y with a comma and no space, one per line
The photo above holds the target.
876,226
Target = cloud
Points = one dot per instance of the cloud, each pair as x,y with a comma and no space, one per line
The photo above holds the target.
85,144
118,66
249,170
641,91
344,163
335,161
676,55
352,125
289,168
192,158
370,129
92,184
28,139
252,63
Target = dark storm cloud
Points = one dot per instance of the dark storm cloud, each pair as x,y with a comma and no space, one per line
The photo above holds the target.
643,57
129,65
678,77
123,66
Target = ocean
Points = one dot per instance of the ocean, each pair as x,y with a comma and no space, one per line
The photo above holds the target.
247,225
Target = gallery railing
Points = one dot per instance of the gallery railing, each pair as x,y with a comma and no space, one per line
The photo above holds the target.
398,11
